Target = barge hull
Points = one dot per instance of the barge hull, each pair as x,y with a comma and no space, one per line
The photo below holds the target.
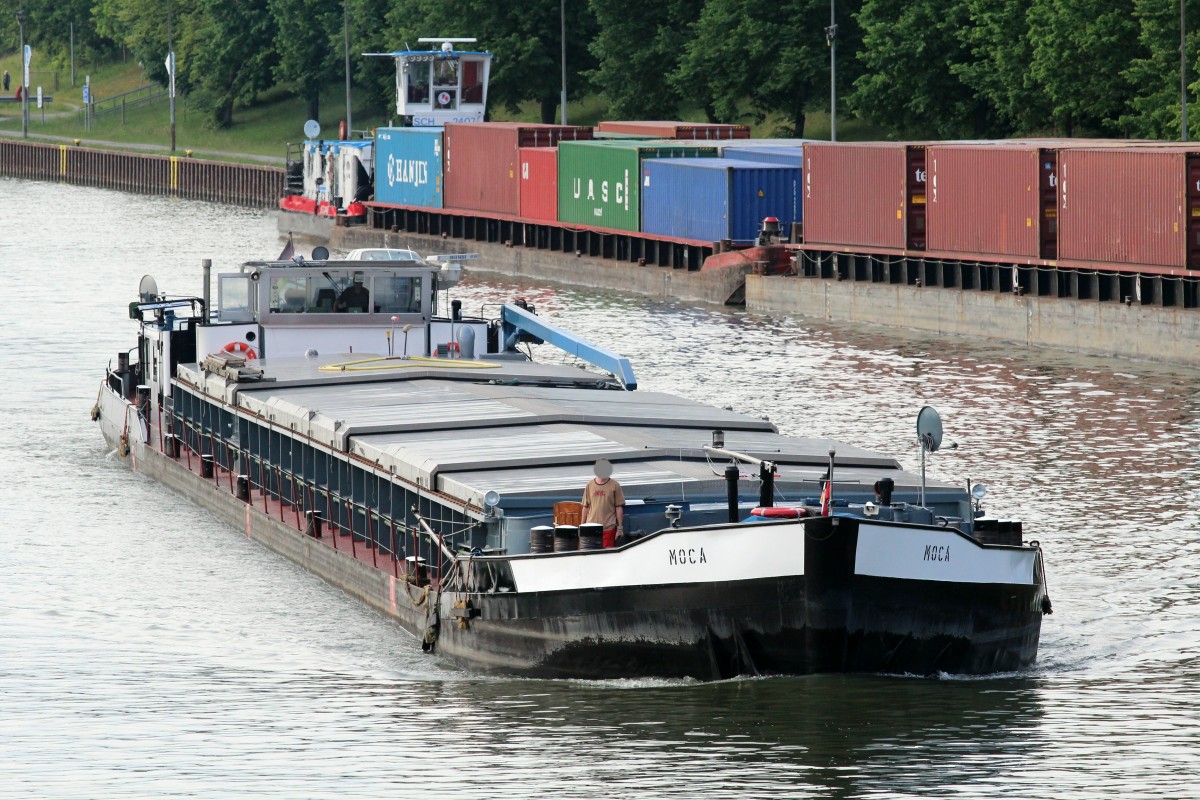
849,622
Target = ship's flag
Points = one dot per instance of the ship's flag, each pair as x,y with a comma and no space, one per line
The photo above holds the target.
289,250
826,498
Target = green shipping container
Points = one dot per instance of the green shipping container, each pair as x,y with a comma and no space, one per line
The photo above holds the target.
599,182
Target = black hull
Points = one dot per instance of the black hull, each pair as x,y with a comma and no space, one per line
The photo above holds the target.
829,619
746,628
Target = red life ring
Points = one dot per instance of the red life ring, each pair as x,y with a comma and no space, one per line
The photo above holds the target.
778,511
240,347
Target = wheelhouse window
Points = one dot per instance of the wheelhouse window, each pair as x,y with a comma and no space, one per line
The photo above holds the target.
417,79
397,294
445,84
234,299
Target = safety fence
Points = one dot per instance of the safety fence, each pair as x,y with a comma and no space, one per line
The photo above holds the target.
177,176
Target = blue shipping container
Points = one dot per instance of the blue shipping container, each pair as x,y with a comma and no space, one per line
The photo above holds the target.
791,156
709,199
408,167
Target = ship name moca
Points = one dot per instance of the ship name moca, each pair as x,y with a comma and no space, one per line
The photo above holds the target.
690,555
937,552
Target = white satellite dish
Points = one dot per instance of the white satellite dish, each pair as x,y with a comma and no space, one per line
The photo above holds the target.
312,129
147,289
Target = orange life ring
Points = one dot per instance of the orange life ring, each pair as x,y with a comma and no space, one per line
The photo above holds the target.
240,347
778,511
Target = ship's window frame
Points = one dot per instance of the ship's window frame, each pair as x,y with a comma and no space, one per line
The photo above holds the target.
237,300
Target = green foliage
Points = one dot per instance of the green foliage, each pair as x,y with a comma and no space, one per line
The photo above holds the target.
1080,50
1154,112
308,43
223,56
911,82
637,48
997,68
746,59
918,69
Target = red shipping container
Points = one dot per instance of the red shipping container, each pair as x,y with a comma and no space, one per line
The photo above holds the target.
854,194
677,130
539,183
982,199
1123,205
483,161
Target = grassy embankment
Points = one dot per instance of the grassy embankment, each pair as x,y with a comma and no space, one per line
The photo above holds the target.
260,130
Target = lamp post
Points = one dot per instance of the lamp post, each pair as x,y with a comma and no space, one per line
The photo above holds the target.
346,46
1183,128
562,16
831,38
171,72
24,72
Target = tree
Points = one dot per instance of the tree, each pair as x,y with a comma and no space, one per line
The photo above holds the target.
912,82
528,64
998,67
229,55
308,39
750,58
1080,51
637,47
1154,110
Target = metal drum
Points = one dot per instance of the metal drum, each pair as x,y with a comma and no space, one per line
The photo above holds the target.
591,536
566,537
541,539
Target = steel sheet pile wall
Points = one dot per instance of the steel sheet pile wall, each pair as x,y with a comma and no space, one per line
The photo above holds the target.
483,161
982,200
854,195
1123,205
677,130
599,182
539,183
709,199
408,167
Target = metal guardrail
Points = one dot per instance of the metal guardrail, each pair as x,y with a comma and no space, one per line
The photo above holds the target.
141,96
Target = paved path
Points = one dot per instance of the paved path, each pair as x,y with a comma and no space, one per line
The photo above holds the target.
148,148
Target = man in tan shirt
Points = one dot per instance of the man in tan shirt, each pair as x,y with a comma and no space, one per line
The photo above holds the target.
604,502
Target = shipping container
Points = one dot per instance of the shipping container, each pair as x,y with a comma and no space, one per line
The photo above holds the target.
856,194
984,199
483,161
539,183
717,198
599,182
1123,205
408,166
792,156
677,130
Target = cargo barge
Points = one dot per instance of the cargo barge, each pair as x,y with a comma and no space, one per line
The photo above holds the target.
425,465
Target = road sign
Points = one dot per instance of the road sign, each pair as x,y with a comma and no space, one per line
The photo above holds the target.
39,105
86,94
28,58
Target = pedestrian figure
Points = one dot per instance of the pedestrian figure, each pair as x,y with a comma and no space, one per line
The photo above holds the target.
6,80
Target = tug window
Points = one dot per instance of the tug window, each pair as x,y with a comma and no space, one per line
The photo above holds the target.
395,294
289,294
418,83
233,298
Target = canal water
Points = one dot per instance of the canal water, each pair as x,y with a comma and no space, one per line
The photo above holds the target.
147,650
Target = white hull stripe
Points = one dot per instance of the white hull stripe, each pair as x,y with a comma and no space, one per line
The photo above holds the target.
932,555
674,557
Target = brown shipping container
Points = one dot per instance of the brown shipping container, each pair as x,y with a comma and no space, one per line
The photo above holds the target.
982,199
1122,205
677,130
483,161
539,183
854,194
